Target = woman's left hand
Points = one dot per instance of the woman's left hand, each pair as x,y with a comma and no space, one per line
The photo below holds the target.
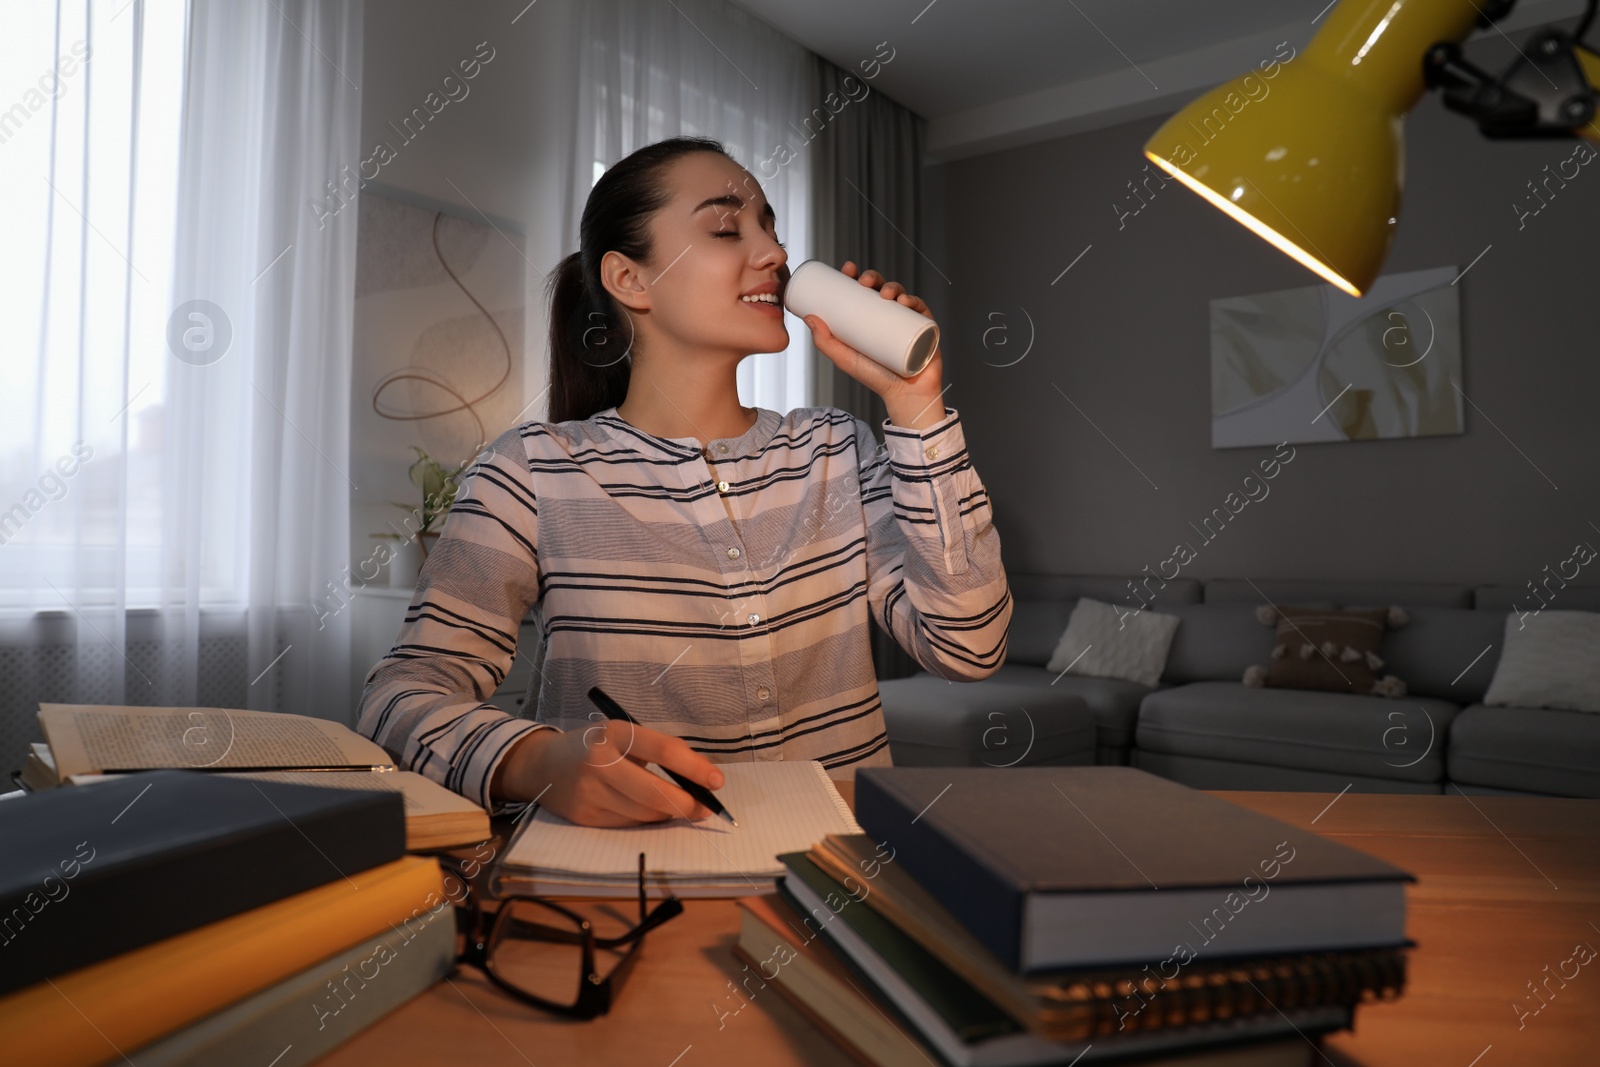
913,403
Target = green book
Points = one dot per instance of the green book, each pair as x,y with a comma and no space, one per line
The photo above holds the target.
965,1029
967,1012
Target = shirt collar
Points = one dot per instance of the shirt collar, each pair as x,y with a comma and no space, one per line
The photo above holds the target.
747,444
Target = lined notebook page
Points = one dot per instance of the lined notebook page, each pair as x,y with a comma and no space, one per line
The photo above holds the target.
783,806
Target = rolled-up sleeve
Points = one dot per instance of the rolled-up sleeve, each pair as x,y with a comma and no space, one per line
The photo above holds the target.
425,702
935,577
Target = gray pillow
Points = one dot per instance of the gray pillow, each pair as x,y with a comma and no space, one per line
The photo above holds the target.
1551,660
1106,641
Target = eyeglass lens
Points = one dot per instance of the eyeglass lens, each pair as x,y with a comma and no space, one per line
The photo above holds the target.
540,950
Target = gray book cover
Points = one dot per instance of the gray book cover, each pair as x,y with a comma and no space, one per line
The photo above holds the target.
305,1016
1066,866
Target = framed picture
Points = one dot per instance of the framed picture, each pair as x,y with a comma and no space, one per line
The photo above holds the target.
1315,364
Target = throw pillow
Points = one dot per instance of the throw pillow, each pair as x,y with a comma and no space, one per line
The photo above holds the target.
1109,642
1335,651
1550,660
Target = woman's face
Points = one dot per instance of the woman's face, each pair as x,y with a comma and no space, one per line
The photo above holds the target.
714,243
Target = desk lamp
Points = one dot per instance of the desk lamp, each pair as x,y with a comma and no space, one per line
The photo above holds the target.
1315,164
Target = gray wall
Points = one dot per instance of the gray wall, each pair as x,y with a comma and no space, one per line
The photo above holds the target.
1124,335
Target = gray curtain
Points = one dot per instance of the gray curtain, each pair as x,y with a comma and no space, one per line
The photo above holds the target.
866,182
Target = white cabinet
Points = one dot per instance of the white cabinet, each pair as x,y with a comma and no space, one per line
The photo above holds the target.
376,612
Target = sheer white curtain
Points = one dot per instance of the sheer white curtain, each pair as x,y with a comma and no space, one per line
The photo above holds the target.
649,71
173,496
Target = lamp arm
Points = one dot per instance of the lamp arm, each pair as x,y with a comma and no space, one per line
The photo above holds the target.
1552,90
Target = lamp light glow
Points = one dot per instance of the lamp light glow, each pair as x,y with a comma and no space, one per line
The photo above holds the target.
1306,259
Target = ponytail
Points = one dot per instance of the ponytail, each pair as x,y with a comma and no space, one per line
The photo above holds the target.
589,357
591,334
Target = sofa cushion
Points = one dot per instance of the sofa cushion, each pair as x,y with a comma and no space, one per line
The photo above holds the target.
1337,732
1102,641
1284,591
1468,790
1551,660
1114,702
1449,653
1216,642
1042,605
1036,626
1334,651
1199,773
936,723
1538,750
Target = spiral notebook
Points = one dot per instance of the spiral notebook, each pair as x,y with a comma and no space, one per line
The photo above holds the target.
782,806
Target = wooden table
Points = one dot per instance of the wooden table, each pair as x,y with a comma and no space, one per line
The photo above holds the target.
1508,886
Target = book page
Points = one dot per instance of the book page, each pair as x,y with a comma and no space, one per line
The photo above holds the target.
86,738
782,806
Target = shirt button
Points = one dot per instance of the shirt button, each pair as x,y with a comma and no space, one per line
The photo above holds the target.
721,447
754,618
722,487
734,553
763,693
932,452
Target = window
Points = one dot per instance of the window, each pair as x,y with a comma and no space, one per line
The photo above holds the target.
89,135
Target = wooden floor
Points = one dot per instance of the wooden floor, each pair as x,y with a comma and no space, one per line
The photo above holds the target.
1508,887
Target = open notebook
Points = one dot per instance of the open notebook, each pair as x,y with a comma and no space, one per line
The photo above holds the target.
782,806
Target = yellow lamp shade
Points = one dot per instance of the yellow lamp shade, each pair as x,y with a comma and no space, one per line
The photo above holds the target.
1312,159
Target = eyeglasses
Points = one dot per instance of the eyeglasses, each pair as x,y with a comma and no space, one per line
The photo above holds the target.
544,954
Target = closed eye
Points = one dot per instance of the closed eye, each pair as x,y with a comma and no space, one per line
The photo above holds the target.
735,233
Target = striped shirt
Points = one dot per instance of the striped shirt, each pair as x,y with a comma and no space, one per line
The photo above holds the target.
720,593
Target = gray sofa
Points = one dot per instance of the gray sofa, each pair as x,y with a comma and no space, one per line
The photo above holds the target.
1201,726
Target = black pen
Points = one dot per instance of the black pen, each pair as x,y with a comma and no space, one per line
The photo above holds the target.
613,710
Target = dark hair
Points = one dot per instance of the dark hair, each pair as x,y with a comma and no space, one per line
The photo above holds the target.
589,333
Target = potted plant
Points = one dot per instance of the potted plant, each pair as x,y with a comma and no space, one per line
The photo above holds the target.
438,484
438,487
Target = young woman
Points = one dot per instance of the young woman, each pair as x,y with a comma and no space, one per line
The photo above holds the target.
712,567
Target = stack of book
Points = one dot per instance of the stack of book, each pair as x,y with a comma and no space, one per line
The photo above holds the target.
87,744
1075,915
175,917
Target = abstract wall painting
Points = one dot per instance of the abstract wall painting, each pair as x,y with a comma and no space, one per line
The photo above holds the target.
1315,364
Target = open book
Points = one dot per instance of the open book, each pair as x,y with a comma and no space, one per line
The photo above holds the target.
91,742
782,806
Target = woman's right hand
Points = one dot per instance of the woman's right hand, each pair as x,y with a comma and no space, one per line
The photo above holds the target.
596,776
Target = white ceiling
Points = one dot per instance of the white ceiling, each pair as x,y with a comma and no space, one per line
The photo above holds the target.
993,74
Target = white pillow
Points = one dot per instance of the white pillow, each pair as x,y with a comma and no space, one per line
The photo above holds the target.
1551,660
1114,643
